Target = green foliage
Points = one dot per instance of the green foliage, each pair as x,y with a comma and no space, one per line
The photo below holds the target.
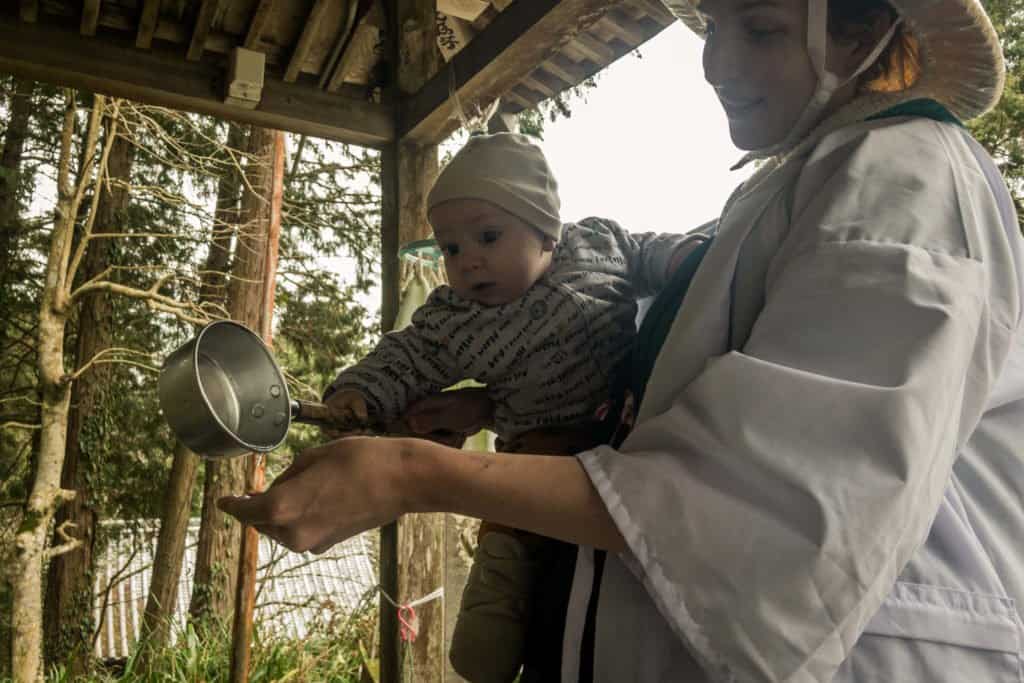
322,329
125,473
1001,131
331,208
330,652
531,121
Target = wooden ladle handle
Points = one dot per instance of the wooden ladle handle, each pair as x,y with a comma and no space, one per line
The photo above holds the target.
307,412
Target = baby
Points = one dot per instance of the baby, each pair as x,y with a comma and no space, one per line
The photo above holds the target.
543,313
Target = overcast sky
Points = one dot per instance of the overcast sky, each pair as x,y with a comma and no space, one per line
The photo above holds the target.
650,147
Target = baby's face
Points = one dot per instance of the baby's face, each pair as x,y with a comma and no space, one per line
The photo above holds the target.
490,255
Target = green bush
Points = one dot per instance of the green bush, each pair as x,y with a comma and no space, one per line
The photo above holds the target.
330,652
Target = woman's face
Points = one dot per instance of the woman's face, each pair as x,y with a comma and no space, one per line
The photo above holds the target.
755,57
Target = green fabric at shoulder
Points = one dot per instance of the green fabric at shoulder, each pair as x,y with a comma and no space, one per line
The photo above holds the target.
925,107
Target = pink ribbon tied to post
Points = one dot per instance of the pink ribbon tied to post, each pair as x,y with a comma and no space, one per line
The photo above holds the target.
408,623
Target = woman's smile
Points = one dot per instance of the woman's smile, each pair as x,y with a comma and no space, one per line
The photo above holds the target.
737,108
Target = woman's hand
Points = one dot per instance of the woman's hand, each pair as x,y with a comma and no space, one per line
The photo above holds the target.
348,486
328,494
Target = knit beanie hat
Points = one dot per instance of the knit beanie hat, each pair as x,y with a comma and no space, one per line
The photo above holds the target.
507,170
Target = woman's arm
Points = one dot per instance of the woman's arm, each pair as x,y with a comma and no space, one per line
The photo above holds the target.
335,491
548,494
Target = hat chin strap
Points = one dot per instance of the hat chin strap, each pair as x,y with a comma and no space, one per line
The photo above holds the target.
828,82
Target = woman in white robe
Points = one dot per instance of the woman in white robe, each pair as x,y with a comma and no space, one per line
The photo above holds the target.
826,476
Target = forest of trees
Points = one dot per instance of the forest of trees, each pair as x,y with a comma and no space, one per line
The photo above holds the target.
122,228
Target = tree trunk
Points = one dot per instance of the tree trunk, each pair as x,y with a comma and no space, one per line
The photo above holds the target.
10,166
30,542
30,553
170,545
68,617
245,594
216,569
170,549
10,170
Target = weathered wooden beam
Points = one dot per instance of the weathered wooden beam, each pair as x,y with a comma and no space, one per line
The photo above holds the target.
523,36
258,22
358,48
172,32
207,10
622,27
655,10
90,17
29,10
570,51
120,18
305,43
593,49
514,97
148,19
340,41
535,81
565,69
467,10
336,76
62,56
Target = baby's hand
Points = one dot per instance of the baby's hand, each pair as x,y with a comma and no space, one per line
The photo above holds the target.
347,408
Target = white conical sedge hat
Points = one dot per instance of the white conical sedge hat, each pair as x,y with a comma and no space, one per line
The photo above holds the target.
961,61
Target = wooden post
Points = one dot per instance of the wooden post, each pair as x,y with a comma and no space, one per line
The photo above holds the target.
248,558
412,554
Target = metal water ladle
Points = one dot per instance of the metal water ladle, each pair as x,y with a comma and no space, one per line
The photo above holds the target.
223,394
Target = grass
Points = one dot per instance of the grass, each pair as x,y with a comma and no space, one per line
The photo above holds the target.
331,651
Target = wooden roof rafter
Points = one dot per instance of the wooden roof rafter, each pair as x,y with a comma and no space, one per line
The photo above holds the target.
535,81
565,69
652,9
530,51
29,10
334,71
523,101
305,44
147,24
320,57
163,78
508,50
258,22
204,21
593,49
150,26
616,25
90,17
